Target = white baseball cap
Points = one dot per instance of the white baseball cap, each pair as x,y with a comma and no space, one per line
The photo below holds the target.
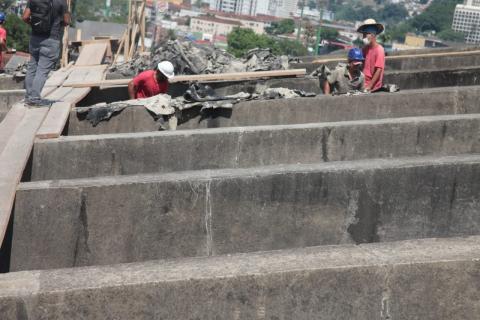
166,67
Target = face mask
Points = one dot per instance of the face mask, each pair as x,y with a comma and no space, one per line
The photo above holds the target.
366,41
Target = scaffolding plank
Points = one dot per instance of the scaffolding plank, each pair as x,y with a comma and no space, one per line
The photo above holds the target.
92,54
10,122
13,160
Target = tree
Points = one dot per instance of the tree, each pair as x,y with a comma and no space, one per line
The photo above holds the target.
450,35
5,4
285,26
329,33
18,33
241,40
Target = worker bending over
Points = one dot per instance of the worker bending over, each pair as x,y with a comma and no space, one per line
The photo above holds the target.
151,82
346,77
374,55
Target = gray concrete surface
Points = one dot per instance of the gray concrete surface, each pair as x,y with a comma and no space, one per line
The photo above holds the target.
242,147
7,99
67,223
8,83
423,102
423,279
409,63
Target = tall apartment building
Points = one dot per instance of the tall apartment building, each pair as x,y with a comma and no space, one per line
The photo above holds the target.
243,7
282,8
466,19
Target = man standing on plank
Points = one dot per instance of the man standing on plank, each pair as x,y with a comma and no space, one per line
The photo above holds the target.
3,40
151,82
47,18
374,54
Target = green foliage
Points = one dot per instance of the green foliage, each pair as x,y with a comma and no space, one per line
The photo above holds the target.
5,4
450,35
437,17
285,26
241,40
18,33
391,13
328,33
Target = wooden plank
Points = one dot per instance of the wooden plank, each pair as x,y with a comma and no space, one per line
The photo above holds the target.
82,74
10,122
58,115
237,76
14,159
55,121
92,54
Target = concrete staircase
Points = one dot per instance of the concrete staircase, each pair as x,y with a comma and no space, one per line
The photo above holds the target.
363,207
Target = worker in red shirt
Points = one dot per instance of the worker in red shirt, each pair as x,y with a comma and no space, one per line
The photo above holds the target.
151,82
374,65
3,39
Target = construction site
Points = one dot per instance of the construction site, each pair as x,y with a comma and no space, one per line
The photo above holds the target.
245,193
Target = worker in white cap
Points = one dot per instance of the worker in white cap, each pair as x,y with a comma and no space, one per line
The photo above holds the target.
151,82
374,65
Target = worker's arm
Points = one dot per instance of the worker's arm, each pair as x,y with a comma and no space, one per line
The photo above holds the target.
375,78
132,91
26,15
3,45
326,87
67,19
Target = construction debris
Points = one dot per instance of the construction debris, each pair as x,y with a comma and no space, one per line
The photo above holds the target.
197,95
189,58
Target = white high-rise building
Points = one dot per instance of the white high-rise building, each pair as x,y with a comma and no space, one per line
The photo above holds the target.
282,8
466,19
244,7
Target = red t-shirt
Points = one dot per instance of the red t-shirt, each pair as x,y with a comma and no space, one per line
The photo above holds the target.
147,85
374,58
3,36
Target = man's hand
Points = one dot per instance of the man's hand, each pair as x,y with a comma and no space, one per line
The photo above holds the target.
131,90
26,15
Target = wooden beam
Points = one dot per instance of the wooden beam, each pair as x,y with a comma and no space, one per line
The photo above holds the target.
13,161
236,76
10,122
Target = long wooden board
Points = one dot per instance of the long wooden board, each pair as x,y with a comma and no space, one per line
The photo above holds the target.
68,97
13,160
237,76
92,54
10,122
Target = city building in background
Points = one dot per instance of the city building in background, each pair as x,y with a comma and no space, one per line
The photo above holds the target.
466,19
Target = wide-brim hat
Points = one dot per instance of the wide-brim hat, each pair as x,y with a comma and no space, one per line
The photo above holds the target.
368,24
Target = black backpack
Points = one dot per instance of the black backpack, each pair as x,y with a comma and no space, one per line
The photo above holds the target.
41,18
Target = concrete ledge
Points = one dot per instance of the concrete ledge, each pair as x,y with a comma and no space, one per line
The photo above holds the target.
109,220
425,279
124,154
410,63
458,100
7,99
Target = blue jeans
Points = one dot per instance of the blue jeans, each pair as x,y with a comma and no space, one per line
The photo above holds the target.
44,55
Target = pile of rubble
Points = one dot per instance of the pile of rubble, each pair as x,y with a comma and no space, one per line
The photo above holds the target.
197,95
189,58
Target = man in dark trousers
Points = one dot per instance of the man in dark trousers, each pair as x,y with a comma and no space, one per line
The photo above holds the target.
47,19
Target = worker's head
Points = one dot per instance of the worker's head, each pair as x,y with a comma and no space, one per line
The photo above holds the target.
165,71
369,30
355,60
2,17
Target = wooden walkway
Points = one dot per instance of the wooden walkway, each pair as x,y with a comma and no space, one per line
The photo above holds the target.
21,125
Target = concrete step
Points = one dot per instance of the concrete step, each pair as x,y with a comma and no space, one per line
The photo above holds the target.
109,220
135,153
423,279
410,103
